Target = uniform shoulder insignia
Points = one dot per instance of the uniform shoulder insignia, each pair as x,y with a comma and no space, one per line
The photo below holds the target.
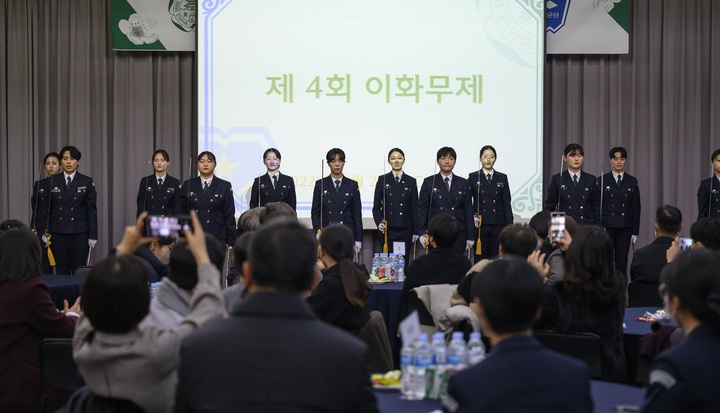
662,378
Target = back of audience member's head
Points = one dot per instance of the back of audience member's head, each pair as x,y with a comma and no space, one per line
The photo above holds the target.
694,279
444,230
510,293
276,209
20,256
668,220
116,296
571,226
183,268
11,223
590,267
249,220
337,240
282,257
241,249
540,224
706,231
517,239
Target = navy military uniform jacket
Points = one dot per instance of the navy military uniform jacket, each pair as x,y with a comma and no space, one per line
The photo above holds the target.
40,204
73,209
581,202
215,208
704,197
342,207
400,204
283,192
158,200
620,204
456,202
492,197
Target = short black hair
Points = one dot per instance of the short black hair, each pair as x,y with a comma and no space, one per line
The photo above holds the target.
116,295
335,152
10,224
162,152
283,255
250,220
398,150
488,147
268,150
623,152
274,210
693,278
540,223
669,219
74,152
510,292
707,231
209,154
20,257
444,229
574,149
241,249
715,155
51,155
183,268
517,239
446,151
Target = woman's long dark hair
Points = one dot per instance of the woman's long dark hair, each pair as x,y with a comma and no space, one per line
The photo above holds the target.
337,241
590,274
20,257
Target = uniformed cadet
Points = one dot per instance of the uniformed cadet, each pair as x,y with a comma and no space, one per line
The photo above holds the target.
40,204
212,198
73,213
449,193
574,192
708,195
396,202
159,193
340,198
620,206
273,186
491,202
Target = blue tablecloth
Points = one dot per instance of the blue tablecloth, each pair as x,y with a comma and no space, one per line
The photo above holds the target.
63,287
387,298
605,396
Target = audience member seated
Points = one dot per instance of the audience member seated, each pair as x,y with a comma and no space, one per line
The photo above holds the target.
341,297
27,315
519,375
249,220
556,260
172,299
155,256
648,261
275,210
116,358
441,265
705,234
9,224
540,226
685,378
516,241
590,298
273,353
235,293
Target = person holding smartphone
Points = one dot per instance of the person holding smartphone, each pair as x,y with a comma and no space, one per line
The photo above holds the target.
573,191
212,198
159,192
273,186
708,195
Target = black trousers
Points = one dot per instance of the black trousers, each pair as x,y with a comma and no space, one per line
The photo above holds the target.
70,251
621,241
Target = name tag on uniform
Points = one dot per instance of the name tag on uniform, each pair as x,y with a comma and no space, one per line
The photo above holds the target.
56,189
500,184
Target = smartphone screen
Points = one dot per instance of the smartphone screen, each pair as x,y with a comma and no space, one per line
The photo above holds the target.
165,226
685,243
557,226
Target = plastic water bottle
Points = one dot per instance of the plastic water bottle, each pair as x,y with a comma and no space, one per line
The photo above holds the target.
423,361
381,266
437,376
400,268
475,349
390,267
407,366
456,352
374,265
439,349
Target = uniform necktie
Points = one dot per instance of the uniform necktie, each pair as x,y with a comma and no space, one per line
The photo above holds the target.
274,181
205,187
447,184
489,177
337,185
69,181
160,182
619,181
575,180
397,179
